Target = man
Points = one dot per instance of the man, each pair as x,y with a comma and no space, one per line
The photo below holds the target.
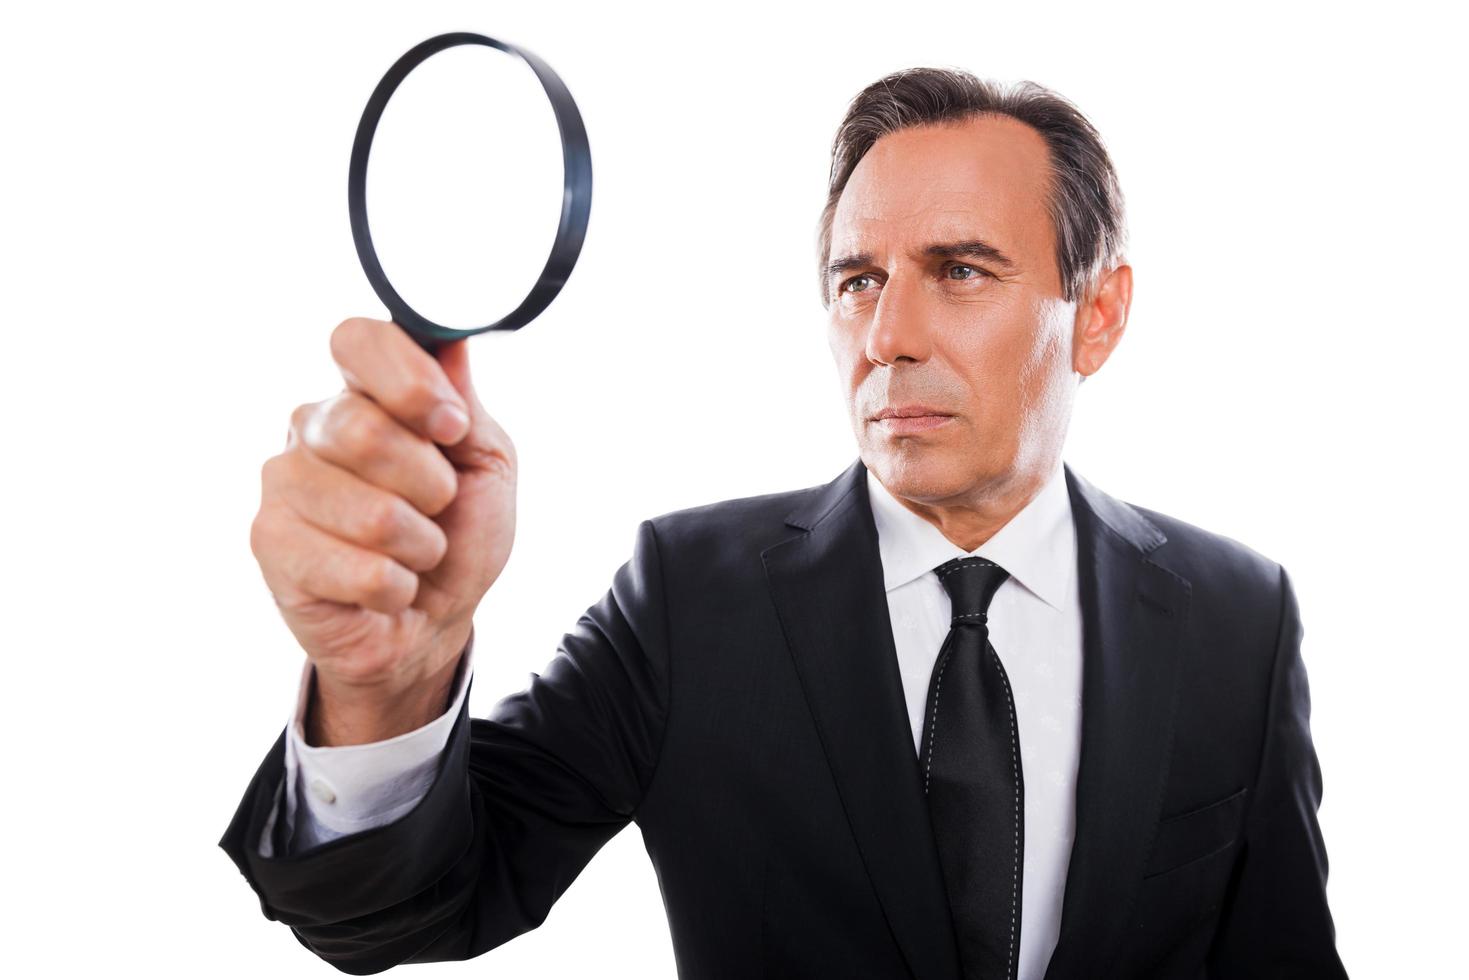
956,713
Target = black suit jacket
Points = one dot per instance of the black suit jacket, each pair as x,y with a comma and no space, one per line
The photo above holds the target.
736,693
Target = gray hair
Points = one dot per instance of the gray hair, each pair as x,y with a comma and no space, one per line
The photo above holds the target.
1085,200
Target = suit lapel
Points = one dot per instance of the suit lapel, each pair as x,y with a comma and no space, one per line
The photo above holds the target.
1133,612
827,586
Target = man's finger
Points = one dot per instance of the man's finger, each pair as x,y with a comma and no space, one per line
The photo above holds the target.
354,432
486,444
301,563
379,359
348,507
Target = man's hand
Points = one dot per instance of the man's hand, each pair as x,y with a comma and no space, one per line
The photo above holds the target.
376,543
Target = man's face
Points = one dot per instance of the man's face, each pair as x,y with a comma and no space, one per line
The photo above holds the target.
985,338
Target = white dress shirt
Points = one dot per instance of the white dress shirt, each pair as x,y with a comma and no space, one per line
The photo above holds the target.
1034,624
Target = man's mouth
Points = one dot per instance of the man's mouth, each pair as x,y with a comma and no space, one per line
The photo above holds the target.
910,412
907,419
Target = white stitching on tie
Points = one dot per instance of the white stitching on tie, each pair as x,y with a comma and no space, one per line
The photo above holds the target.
965,563
937,684
1014,766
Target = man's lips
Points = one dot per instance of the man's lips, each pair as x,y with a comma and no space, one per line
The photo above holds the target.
909,412
900,420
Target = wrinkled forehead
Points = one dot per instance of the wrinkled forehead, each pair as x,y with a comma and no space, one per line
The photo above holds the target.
982,178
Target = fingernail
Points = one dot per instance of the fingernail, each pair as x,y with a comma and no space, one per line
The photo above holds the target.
447,423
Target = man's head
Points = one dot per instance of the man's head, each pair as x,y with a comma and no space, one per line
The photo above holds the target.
971,258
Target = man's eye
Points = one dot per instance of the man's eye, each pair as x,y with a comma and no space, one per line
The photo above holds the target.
977,272
846,286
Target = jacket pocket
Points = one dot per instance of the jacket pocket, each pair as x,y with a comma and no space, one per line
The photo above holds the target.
1196,833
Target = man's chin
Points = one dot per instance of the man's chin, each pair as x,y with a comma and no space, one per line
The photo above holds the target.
916,471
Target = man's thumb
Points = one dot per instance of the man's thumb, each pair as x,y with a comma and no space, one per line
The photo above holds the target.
454,359
485,437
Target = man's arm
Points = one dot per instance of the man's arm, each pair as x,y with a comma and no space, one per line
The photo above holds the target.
1276,922
520,802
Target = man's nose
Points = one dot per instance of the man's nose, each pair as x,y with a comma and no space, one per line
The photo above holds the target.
900,323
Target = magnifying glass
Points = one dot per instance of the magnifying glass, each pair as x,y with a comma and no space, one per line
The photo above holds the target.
467,190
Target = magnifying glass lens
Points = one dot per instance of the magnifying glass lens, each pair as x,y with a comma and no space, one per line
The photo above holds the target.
465,184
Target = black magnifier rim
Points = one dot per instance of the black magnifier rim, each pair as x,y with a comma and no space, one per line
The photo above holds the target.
576,200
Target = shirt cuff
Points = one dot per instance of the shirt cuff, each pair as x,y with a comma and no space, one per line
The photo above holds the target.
350,788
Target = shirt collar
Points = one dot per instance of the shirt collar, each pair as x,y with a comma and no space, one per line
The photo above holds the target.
1036,546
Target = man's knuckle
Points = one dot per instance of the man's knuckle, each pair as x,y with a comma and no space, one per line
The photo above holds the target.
260,536
271,545
381,581
358,433
318,422
379,522
278,472
344,335
301,415
372,575
420,393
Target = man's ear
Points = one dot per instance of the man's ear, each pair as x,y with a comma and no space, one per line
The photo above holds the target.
1100,321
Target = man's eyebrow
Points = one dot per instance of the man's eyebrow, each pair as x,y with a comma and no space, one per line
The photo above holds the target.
969,248
847,263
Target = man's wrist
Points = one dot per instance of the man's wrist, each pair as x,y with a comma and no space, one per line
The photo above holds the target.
338,715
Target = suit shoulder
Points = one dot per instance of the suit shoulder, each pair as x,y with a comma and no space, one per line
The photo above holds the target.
1225,566
757,520
711,553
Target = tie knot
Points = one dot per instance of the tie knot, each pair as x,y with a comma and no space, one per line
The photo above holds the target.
971,583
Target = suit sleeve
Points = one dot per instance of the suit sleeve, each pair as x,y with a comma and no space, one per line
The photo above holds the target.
521,801
1276,922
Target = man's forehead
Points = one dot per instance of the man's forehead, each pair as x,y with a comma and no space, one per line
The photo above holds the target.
986,177
866,230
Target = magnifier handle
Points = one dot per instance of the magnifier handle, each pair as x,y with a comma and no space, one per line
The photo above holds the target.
429,344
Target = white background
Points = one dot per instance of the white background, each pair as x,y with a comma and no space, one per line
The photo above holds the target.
176,252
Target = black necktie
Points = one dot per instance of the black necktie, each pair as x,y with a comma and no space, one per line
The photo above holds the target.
970,759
